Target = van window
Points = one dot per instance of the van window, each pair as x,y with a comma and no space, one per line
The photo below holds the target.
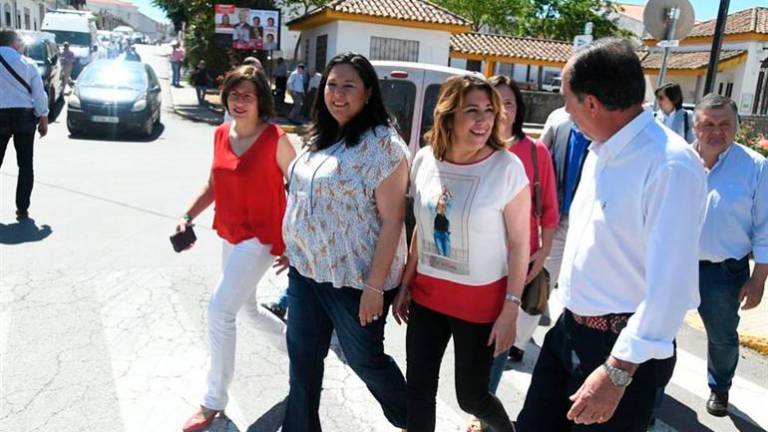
74,38
399,98
428,112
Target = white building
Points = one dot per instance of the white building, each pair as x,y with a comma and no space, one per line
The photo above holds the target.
23,14
406,30
126,11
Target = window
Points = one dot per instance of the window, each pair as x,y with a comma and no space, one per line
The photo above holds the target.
720,89
394,49
399,97
7,15
428,111
729,89
27,19
321,51
306,50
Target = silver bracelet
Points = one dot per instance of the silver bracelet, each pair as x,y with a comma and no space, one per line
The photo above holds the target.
513,298
372,288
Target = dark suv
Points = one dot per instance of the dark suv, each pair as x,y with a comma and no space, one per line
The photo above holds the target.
41,47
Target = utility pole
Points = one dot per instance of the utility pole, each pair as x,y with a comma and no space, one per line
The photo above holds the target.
717,42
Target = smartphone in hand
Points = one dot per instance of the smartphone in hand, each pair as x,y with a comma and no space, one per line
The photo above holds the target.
182,239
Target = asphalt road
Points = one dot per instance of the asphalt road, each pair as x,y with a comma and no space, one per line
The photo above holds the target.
102,325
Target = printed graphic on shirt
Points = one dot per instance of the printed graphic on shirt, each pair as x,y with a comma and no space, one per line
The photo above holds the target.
444,243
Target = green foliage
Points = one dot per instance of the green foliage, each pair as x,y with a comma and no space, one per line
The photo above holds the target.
751,138
547,19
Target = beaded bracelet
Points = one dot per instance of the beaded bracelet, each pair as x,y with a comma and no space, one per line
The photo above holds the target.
373,288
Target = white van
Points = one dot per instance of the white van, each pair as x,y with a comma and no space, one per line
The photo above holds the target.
410,93
79,29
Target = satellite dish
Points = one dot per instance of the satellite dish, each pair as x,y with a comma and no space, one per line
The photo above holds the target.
656,17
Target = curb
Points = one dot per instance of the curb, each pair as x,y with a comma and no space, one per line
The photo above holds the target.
759,344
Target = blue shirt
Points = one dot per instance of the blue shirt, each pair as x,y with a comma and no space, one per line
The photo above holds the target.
737,207
577,150
13,94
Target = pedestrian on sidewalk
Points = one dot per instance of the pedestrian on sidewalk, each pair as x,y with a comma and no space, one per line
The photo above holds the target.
671,112
296,89
202,81
23,107
346,260
177,59
67,61
736,226
629,272
246,186
281,80
468,256
544,212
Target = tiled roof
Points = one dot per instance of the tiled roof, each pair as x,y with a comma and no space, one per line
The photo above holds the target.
753,20
684,60
631,10
509,46
410,10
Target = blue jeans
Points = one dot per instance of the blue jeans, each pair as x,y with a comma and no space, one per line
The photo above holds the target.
316,310
497,369
175,73
200,92
719,286
443,243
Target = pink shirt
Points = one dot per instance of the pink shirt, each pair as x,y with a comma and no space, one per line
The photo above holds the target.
550,214
177,55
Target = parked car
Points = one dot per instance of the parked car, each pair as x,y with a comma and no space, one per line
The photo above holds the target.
553,85
41,47
115,95
79,29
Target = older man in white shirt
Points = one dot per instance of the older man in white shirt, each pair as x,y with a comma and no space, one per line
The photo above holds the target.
23,107
736,225
630,266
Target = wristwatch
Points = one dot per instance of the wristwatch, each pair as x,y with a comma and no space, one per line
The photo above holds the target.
619,377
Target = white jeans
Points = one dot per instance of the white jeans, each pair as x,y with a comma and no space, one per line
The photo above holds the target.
526,324
243,265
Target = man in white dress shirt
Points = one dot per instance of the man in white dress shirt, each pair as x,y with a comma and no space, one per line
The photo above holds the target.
630,266
736,225
23,107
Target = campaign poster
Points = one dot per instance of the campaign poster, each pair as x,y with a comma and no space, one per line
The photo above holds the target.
248,29
224,16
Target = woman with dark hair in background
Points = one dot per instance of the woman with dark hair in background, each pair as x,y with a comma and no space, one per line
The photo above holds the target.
464,282
673,115
345,242
539,170
246,186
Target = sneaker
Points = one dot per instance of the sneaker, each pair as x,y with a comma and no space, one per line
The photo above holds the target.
276,309
516,354
717,404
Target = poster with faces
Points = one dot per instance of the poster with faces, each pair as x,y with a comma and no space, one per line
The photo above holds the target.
250,29
224,18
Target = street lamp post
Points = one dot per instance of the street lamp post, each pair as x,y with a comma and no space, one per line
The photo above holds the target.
717,42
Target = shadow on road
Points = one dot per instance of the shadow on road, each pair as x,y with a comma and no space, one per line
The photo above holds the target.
118,136
25,231
680,417
271,420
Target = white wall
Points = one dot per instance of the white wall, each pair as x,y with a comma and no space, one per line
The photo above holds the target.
16,8
330,29
434,45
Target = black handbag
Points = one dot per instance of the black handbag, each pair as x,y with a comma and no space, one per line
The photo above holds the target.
536,292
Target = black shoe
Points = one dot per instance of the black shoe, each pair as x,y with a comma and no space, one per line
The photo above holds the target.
717,405
22,215
276,309
516,354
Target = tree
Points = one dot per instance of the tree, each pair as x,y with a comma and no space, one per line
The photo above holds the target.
548,19
77,4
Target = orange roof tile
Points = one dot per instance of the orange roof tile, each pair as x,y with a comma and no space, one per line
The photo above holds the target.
508,46
409,10
684,60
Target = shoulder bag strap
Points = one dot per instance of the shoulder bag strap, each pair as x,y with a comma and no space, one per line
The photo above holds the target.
15,75
536,191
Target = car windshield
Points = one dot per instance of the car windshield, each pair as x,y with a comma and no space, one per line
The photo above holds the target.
114,74
36,51
74,38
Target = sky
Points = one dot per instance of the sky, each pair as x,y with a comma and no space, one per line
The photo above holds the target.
707,9
704,9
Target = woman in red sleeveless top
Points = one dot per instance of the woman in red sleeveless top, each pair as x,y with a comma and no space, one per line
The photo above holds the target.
246,184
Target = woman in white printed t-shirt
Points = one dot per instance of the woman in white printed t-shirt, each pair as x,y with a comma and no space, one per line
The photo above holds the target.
469,255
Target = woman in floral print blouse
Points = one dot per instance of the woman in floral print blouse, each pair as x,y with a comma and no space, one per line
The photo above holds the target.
345,241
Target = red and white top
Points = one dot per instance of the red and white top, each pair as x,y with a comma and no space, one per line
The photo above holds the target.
462,266
249,190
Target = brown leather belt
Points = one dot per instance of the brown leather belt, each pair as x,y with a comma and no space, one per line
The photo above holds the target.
613,323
